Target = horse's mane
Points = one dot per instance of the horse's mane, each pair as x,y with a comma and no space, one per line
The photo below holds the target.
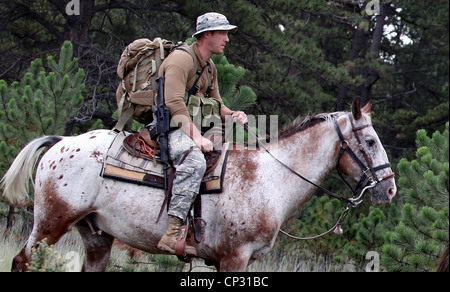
303,123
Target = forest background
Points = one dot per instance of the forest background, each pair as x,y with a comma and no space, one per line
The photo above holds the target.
299,57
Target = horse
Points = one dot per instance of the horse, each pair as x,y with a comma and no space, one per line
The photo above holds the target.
240,224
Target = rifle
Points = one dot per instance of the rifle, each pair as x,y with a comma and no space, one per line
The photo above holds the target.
161,130
162,114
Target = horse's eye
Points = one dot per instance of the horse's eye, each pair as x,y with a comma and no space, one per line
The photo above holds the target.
370,142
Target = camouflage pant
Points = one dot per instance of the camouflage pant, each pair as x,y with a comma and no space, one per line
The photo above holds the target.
189,173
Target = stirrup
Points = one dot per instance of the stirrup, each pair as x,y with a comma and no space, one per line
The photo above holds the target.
180,247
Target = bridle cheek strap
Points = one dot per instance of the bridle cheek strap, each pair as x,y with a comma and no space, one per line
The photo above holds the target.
367,170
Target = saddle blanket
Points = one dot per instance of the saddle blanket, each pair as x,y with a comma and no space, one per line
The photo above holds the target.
121,165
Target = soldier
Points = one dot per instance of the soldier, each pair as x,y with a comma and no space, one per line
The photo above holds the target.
190,140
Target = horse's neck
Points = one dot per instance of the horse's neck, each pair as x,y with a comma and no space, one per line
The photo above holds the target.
311,153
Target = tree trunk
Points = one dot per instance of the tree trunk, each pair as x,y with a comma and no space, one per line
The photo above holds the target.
372,77
77,26
358,43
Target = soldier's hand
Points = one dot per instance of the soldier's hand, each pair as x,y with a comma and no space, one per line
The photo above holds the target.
240,117
205,145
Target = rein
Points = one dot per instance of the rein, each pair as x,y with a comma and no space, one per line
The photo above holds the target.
351,202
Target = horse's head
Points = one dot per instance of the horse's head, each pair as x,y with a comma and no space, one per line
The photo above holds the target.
362,156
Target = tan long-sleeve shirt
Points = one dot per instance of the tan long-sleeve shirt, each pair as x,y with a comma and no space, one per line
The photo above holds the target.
177,69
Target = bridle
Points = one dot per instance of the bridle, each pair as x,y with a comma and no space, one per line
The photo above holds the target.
369,174
344,147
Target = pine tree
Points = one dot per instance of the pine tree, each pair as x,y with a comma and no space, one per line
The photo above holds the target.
40,103
234,96
363,231
422,234
369,236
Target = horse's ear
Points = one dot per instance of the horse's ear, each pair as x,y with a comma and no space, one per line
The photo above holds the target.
367,107
356,108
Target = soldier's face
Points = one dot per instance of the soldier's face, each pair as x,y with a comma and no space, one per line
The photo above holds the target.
217,40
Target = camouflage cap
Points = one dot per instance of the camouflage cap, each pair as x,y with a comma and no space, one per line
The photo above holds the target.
213,21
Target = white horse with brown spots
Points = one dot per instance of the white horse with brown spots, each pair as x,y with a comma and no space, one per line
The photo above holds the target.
242,223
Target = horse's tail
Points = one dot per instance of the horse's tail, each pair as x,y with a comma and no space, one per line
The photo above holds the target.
15,182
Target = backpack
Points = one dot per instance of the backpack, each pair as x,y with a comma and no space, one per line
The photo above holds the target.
138,70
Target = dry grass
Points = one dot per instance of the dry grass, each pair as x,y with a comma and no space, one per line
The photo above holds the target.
70,249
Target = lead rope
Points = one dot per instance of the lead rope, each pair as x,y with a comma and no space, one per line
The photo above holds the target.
336,228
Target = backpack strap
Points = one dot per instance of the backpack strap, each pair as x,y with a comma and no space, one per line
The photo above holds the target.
194,87
124,118
208,90
196,69
190,51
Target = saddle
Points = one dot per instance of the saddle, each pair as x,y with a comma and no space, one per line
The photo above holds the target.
141,145
134,158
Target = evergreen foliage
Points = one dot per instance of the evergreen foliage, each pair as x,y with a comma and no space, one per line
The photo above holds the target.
419,239
40,103
234,96
410,235
361,233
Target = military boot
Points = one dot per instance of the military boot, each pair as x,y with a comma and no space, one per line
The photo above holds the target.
169,239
